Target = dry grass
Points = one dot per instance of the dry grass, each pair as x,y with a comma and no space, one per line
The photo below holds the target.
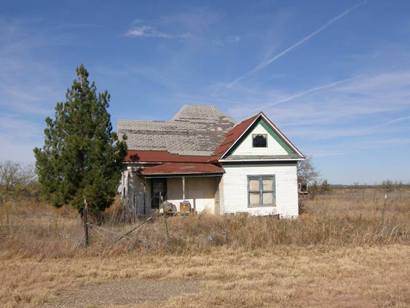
350,248
340,218
284,276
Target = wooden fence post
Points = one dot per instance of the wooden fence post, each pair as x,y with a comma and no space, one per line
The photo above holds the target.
166,226
85,221
384,206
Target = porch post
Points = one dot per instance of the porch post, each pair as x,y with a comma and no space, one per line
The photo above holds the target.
145,195
183,188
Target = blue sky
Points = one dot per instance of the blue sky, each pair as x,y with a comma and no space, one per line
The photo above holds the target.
333,75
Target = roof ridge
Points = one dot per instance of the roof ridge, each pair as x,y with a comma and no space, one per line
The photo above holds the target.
141,121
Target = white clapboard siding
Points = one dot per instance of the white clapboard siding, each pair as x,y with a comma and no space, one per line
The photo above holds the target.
235,189
273,147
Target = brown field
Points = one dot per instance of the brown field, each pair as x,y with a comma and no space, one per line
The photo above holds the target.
350,248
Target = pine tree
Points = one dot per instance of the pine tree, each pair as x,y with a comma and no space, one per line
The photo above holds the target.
82,158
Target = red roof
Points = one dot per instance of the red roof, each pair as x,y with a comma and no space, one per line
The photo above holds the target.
232,136
167,157
164,156
182,168
170,163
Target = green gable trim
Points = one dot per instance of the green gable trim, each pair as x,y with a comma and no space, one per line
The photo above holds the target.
275,136
271,132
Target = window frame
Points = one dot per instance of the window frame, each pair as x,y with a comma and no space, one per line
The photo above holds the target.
260,178
266,139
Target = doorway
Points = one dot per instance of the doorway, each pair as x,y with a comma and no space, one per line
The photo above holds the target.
158,192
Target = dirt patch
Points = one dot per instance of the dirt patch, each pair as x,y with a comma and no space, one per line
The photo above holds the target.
125,292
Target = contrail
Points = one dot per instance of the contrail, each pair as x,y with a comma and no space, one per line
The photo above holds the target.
395,121
311,90
297,44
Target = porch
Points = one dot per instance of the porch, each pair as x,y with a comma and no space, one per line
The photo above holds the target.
197,184
201,192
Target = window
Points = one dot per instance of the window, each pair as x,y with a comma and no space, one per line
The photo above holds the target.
259,141
261,190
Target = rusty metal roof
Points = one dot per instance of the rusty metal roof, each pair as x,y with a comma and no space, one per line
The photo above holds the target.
163,157
232,136
182,169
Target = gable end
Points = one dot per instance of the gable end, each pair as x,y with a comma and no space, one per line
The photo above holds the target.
286,150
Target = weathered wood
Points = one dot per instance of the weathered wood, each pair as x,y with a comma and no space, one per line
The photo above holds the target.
133,229
85,222
166,227
183,188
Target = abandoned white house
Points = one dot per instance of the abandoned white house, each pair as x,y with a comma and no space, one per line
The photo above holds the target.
203,157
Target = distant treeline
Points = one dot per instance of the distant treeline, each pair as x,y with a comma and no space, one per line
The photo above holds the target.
383,185
17,181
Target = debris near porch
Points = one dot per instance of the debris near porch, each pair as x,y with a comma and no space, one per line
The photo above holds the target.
170,209
185,208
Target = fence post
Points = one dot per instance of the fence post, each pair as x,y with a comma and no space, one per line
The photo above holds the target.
85,221
166,226
384,206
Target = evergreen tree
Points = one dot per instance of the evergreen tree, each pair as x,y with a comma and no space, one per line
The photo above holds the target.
82,158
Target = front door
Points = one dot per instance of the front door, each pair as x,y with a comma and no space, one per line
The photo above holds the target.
158,192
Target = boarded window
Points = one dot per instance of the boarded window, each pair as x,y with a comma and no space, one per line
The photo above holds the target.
261,190
254,185
259,141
